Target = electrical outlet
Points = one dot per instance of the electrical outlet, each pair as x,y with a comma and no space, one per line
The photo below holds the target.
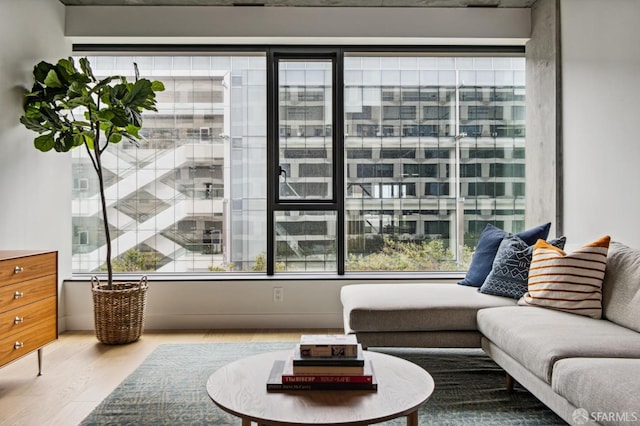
278,294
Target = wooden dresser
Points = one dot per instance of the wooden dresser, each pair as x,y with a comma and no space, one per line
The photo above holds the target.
28,303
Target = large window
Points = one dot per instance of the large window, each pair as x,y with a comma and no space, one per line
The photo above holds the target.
358,163
192,197
437,130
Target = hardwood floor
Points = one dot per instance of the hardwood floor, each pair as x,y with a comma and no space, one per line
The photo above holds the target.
79,372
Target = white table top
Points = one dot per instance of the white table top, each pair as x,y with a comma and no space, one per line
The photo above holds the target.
240,389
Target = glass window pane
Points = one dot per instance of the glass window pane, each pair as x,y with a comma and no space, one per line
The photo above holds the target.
192,197
406,198
305,128
305,241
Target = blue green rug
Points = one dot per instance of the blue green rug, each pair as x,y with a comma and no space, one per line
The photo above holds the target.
169,388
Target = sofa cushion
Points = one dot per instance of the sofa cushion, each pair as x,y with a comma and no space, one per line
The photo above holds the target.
607,388
487,248
568,282
621,286
414,307
538,337
510,271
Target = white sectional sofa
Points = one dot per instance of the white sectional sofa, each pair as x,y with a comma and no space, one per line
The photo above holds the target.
578,366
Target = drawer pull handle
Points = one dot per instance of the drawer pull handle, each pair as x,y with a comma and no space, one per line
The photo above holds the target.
18,295
18,345
18,320
18,269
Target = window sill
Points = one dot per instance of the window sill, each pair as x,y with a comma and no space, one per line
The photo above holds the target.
290,276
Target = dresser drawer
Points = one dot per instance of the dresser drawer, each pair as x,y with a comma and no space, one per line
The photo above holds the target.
24,293
17,320
26,268
17,345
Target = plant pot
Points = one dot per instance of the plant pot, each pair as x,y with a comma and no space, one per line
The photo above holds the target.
119,311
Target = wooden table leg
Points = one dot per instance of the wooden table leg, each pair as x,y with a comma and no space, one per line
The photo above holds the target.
412,419
40,362
509,383
246,422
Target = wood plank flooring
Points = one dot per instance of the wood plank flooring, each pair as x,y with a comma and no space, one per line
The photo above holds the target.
79,372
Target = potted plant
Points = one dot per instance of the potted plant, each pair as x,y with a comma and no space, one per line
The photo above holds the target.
71,108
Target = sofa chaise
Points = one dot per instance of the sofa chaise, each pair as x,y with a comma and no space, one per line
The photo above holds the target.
586,370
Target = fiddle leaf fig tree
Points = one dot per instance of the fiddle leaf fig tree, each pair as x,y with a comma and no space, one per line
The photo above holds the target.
71,108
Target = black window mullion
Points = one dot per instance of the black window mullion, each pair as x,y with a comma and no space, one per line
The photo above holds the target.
339,160
272,156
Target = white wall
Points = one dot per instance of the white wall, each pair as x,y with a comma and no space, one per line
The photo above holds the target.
220,304
601,116
35,201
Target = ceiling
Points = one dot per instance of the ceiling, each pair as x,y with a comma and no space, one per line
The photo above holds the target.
308,3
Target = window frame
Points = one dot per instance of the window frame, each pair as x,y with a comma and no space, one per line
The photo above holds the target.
337,53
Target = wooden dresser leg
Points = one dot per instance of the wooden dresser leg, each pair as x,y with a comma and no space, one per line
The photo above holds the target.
509,383
40,362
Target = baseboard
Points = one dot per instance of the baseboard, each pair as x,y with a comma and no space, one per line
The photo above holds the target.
212,321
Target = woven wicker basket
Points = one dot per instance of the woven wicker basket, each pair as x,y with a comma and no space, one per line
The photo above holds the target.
119,312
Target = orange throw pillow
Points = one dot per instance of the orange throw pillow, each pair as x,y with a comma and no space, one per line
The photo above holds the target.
568,282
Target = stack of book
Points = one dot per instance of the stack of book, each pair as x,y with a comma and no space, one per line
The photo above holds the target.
323,362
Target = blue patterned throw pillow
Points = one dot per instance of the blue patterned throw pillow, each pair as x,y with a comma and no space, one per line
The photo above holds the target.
509,274
487,247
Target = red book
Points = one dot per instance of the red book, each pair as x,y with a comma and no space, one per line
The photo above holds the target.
299,378
276,383
288,376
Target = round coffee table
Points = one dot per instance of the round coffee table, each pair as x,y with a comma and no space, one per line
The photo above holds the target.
239,388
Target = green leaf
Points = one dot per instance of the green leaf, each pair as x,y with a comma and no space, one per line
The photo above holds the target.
81,124
120,118
117,93
106,114
80,138
41,70
139,93
104,82
133,130
115,138
134,116
131,139
52,80
34,124
52,117
66,142
35,95
80,101
88,139
77,87
66,71
31,111
45,142
86,68
157,86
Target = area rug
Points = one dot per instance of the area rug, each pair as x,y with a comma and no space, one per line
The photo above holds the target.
169,388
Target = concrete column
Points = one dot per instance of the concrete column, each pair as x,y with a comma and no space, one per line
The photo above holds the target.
544,118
